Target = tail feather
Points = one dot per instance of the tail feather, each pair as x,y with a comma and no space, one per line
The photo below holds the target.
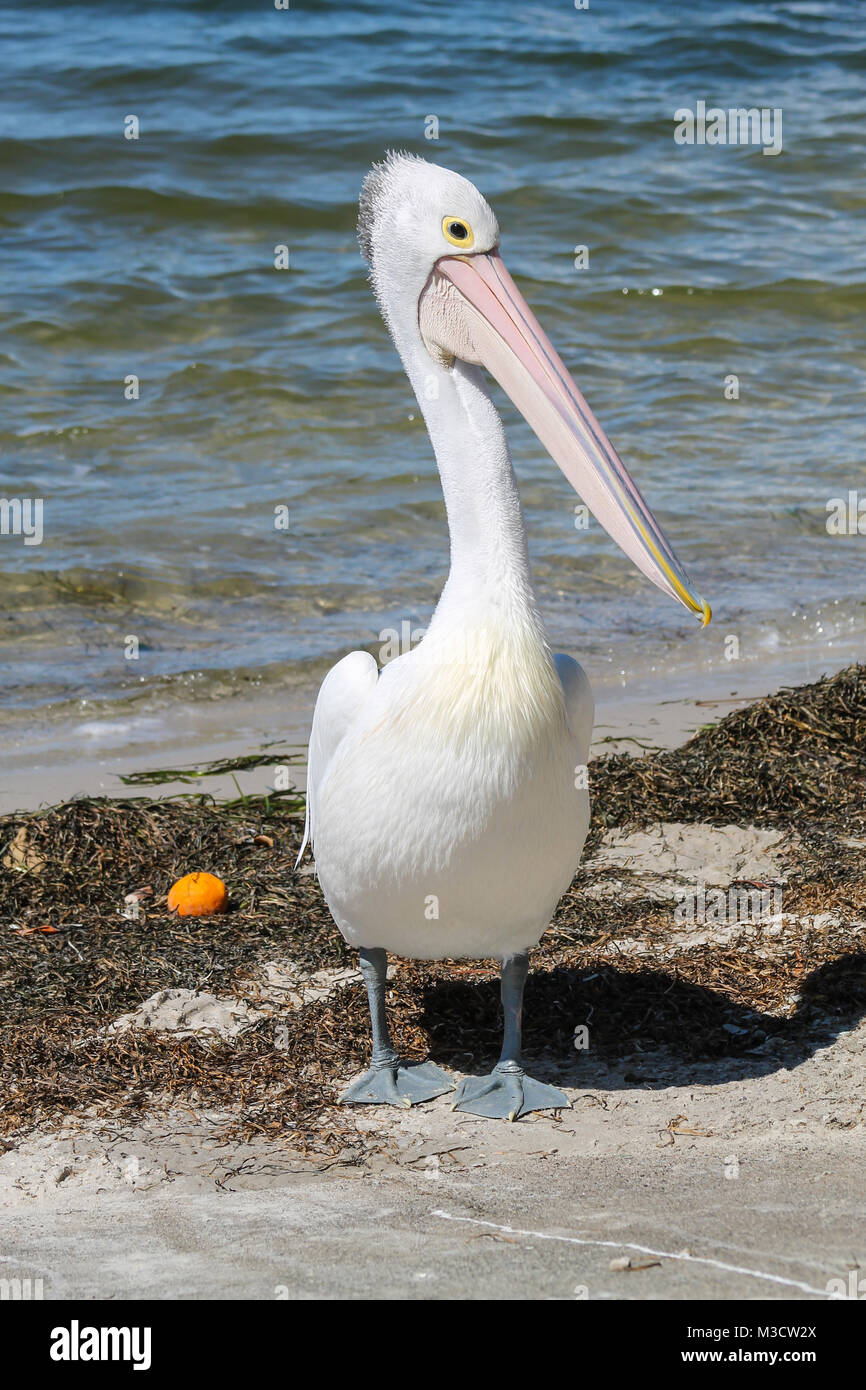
306,839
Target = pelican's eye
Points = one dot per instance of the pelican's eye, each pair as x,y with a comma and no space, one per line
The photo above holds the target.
458,232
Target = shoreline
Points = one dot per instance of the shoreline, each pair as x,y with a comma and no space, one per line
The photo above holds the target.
59,760
148,1063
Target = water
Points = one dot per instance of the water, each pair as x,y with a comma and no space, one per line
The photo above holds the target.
262,388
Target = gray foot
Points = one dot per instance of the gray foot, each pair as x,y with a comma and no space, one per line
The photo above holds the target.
506,1094
398,1085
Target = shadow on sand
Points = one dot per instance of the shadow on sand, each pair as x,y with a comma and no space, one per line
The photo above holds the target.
643,1023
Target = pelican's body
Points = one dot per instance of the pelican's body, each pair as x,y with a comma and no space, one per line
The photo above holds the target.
451,814
447,803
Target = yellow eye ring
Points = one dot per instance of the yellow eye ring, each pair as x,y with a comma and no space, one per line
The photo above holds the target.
458,232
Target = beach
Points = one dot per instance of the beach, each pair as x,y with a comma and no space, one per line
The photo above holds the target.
177,1079
89,751
216,481
269,499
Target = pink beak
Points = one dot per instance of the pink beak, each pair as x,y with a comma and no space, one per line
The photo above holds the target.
514,348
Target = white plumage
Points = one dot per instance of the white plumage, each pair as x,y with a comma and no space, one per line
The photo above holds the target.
447,803
447,810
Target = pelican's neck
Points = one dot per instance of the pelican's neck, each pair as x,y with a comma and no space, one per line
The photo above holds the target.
491,656
489,556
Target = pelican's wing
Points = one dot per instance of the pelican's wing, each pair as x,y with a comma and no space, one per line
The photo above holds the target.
344,691
579,700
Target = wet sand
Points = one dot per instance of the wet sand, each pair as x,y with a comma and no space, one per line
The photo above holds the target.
47,761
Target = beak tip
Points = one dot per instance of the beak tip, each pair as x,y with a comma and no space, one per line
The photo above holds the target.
706,613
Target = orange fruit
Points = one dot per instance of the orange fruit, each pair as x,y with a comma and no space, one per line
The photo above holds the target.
198,895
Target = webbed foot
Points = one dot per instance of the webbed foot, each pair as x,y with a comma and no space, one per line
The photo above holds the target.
506,1094
396,1084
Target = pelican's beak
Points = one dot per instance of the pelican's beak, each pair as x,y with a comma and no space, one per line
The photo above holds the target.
505,336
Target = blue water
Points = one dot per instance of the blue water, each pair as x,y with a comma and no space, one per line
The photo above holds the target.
262,387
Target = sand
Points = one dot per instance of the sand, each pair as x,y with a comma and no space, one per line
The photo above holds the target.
753,1170
676,1172
86,752
732,1178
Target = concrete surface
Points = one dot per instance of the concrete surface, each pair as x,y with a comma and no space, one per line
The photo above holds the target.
747,1187
770,1234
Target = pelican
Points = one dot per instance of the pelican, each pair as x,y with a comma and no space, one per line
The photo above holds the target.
447,803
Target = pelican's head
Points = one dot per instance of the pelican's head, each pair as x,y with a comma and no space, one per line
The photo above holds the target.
432,242
411,215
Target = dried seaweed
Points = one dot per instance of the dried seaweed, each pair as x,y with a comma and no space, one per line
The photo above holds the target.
71,961
157,776
798,756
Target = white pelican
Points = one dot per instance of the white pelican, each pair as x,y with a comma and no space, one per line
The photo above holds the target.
446,806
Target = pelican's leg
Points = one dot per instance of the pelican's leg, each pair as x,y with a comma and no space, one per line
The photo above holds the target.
508,1093
389,1082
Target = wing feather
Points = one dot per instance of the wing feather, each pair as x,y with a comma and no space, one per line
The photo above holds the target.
343,693
579,700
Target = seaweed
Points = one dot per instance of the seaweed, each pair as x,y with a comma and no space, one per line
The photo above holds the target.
76,949
798,756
